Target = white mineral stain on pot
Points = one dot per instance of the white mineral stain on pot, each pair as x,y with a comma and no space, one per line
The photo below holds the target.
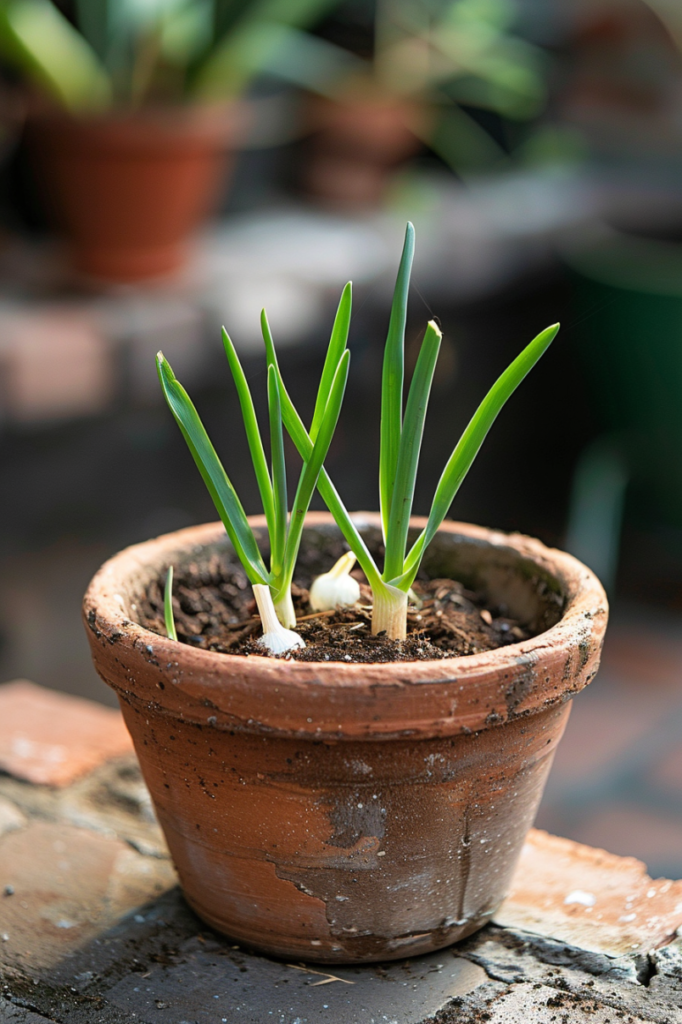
585,899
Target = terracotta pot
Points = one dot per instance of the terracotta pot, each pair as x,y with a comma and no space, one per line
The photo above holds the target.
355,146
128,190
341,812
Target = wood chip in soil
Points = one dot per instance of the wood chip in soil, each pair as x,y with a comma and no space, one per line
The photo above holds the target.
215,611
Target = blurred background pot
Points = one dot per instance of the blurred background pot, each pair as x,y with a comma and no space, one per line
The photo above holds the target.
128,190
346,812
357,144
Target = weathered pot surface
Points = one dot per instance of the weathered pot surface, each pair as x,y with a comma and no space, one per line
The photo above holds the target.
347,812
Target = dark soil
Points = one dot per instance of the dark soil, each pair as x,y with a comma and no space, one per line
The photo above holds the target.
215,610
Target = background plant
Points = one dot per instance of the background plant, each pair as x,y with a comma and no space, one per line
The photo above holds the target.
401,439
284,531
128,52
446,56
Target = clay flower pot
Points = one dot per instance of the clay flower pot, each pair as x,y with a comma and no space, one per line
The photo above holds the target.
346,812
356,145
128,190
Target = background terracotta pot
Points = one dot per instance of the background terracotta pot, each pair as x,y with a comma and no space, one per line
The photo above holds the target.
350,812
355,146
128,190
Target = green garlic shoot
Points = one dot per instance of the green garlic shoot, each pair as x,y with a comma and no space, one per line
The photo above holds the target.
168,606
336,588
401,439
284,530
276,638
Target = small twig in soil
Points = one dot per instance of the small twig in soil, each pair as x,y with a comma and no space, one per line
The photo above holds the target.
316,615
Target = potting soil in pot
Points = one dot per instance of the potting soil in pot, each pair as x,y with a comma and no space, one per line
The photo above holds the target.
214,609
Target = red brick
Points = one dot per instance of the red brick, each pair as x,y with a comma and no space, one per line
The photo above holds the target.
52,738
69,885
589,898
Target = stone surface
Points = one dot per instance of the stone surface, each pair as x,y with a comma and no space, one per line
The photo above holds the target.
544,1005
647,987
52,738
589,898
60,886
112,800
93,930
214,983
10,1014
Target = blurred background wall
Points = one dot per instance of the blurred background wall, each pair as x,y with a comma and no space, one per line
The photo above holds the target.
536,145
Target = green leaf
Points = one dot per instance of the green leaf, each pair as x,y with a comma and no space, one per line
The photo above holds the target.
168,606
37,37
252,43
279,476
392,381
220,488
408,454
469,444
304,446
315,64
337,346
313,465
253,437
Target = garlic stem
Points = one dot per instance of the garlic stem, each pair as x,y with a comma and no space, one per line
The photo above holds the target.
335,588
285,609
389,612
276,638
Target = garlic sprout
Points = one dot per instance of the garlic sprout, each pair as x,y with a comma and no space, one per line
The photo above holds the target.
284,528
169,618
401,439
275,638
336,588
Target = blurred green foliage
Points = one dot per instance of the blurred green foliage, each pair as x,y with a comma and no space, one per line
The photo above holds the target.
127,52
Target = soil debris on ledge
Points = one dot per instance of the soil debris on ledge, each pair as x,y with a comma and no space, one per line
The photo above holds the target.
215,610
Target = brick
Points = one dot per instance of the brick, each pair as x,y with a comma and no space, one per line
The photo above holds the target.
69,885
52,738
591,899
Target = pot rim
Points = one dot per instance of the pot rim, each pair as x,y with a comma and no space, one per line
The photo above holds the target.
336,699
164,127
